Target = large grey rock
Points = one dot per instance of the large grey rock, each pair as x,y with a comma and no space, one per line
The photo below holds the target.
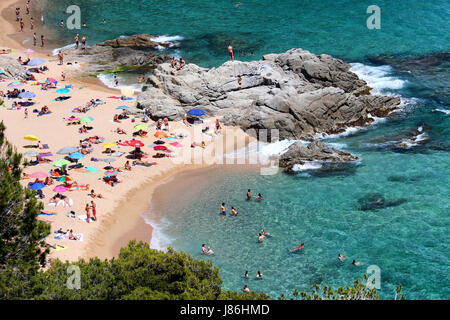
298,153
136,41
296,92
11,68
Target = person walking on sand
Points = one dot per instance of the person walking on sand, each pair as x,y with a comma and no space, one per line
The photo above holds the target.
63,76
26,113
116,81
27,7
94,210
32,23
88,213
42,41
61,57
34,39
231,52
21,25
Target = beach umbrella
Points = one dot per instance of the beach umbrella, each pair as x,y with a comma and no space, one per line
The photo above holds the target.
63,90
52,80
141,126
35,62
26,95
28,51
176,144
110,173
109,145
123,108
60,189
67,150
31,153
159,142
160,134
65,179
31,137
135,143
160,148
15,84
39,175
60,163
76,156
196,112
86,119
109,160
127,92
37,186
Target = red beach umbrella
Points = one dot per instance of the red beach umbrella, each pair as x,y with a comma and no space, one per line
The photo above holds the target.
135,143
160,148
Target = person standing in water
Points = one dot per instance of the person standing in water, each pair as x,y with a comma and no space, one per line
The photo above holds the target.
83,43
42,41
77,41
223,210
259,275
246,274
116,81
233,211
231,52
249,194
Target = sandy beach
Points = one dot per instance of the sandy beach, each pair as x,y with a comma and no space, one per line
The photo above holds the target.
119,211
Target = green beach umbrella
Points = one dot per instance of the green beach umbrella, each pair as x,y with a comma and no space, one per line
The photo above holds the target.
141,126
60,163
86,119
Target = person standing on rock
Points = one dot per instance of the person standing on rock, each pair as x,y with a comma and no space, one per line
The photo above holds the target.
83,43
231,52
77,41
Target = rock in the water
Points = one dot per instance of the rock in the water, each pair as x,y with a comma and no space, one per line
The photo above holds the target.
299,154
136,41
11,68
375,201
296,92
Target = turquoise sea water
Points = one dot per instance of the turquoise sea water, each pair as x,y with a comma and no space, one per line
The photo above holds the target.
409,56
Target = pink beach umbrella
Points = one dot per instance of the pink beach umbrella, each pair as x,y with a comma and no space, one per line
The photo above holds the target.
176,144
39,175
52,80
60,189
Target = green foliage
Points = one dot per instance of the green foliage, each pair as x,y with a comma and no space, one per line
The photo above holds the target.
359,291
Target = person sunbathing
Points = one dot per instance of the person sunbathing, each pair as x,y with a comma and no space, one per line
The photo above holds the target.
142,133
120,131
186,123
43,160
48,181
92,194
25,176
127,166
144,163
71,236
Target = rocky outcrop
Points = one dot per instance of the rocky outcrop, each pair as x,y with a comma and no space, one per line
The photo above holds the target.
96,59
296,92
299,154
11,68
137,41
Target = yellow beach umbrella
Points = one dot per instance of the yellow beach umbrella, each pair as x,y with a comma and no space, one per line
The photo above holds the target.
109,145
31,137
127,92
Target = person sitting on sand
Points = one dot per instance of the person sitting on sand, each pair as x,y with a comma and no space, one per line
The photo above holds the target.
165,125
92,194
127,166
116,118
145,163
71,236
186,123
299,248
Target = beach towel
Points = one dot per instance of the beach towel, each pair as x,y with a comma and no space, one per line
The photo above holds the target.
83,217
70,214
60,248
45,146
43,213
82,170
91,169
66,236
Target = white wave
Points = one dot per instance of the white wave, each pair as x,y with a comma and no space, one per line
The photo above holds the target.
377,77
308,165
68,47
160,240
442,110
337,145
167,38
108,80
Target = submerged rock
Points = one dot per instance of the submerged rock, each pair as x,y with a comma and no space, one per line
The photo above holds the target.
299,154
376,201
296,92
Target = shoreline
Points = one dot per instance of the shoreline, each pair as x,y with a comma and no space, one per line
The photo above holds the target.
113,229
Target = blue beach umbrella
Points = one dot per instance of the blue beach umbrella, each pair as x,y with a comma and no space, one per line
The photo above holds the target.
63,90
37,186
77,156
26,95
196,112
35,62
123,108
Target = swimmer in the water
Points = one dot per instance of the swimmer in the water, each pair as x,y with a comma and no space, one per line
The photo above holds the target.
249,194
264,233
238,4
246,274
261,237
259,275
245,288
259,196
341,257
299,248
223,210
355,263
203,249
233,211
209,251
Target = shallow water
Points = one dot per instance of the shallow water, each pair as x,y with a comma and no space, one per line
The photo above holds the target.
408,238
